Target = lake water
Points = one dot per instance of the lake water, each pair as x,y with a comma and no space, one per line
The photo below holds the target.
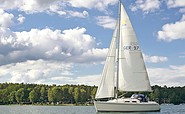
16,109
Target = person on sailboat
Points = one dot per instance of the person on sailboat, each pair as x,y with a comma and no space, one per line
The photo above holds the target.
141,97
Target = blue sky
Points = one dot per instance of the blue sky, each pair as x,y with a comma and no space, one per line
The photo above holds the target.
66,41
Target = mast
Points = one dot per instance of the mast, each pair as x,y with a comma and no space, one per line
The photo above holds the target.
118,53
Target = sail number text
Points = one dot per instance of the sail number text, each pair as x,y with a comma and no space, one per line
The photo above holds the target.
131,47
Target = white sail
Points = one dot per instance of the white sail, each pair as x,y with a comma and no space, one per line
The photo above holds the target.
132,71
106,87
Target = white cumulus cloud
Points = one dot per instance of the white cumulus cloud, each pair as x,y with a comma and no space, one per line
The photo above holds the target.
86,80
173,31
94,55
21,18
34,6
146,5
83,14
175,3
38,71
72,45
154,59
6,19
97,4
106,22
170,76
7,4
57,6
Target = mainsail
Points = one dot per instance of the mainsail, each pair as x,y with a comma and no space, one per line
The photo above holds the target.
132,72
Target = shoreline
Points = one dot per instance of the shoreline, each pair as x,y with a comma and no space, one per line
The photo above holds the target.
47,105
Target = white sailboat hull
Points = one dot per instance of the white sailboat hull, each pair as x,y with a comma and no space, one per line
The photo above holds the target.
119,106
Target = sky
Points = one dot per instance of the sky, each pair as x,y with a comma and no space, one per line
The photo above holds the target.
66,41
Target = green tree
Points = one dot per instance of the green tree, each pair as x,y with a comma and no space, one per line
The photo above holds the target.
71,96
93,92
157,95
12,98
55,94
50,95
4,96
19,95
83,96
26,95
65,94
77,94
33,96
43,95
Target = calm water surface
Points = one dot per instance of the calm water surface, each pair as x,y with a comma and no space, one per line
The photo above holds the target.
165,109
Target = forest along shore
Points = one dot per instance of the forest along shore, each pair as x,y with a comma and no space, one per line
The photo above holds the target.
71,95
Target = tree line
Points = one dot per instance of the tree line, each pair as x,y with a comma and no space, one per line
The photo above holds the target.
174,95
15,93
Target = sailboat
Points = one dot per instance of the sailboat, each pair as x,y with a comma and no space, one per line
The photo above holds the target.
125,71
